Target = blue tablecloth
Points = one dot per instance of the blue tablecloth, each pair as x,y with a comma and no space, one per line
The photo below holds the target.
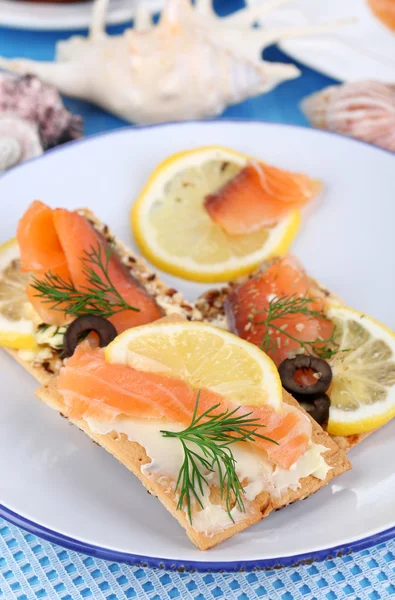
31,568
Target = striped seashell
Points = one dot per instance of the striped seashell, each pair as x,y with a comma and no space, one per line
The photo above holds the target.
364,110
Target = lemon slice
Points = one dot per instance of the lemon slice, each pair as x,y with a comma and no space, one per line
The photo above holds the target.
174,231
363,388
16,328
203,356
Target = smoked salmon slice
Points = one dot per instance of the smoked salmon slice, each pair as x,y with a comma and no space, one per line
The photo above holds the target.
56,241
38,240
91,387
259,196
41,252
77,237
247,306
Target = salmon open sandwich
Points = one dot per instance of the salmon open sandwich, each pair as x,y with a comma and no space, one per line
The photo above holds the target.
66,264
198,414
337,362
201,418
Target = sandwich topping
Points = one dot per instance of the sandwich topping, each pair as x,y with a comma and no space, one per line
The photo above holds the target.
16,326
322,375
180,230
260,195
317,406
326,353
76,272
218,437
256,472
84,325
64,266
283,312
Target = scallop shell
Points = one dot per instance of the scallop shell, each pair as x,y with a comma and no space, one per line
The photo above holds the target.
364,110
19,141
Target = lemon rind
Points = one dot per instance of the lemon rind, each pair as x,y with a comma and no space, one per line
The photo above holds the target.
277,244
367,417
17,335
117,350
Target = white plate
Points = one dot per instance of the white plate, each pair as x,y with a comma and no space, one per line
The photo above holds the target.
362,50
58,483
31,15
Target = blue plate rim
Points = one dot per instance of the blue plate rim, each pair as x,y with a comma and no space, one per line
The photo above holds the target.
266,564
200,566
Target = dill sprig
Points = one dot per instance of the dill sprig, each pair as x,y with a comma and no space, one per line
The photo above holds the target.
206,444
98,297
283,307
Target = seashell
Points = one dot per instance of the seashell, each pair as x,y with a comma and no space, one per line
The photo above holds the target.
19,141
173,70
191,64
10,152
41,104
363,110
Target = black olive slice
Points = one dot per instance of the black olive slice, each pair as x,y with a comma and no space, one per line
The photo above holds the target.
289,366
85,324
318,407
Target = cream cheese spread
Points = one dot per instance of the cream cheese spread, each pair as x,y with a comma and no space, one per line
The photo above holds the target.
257,473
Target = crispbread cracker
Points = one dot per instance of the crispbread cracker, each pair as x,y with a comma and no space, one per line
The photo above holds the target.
133,456
211,306
347,442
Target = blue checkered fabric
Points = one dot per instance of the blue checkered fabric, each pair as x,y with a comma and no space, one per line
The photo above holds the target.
31,568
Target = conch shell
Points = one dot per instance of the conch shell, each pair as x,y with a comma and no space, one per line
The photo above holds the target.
191,64
363,110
